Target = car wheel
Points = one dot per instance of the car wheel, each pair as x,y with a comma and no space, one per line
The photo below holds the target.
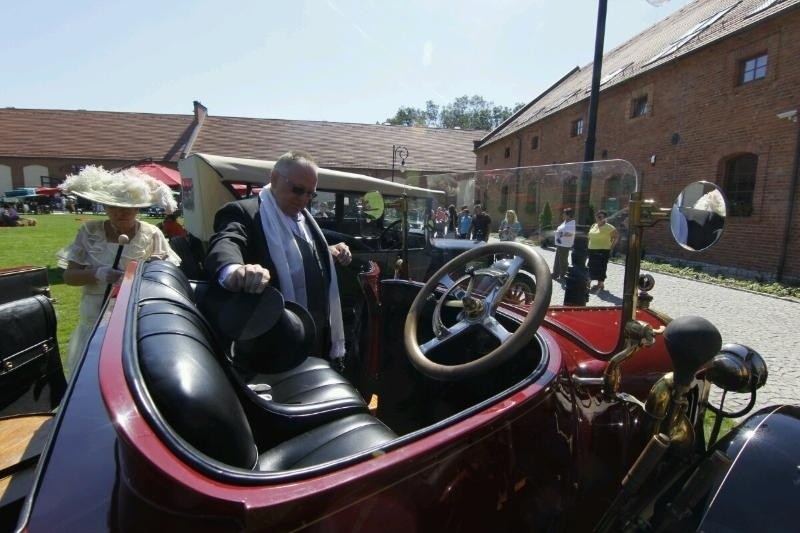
521,291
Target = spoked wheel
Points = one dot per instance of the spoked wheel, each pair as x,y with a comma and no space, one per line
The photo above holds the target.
477,310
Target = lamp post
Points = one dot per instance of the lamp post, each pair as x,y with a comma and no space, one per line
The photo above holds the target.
401,152
597,68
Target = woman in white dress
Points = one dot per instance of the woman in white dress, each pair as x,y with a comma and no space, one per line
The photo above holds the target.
89,260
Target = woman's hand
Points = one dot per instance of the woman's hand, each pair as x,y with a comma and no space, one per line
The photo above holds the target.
107,274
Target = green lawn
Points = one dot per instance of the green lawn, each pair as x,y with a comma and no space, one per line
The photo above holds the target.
37,246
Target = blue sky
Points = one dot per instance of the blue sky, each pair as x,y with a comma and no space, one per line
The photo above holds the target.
335,60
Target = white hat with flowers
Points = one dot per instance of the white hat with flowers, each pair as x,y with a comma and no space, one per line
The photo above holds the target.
125,188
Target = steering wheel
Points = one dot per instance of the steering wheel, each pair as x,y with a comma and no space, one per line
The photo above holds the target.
478,310
391,237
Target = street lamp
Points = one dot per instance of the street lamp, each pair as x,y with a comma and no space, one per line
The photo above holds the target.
597,67
401,152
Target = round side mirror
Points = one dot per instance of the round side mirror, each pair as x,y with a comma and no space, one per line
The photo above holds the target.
697,219
372,205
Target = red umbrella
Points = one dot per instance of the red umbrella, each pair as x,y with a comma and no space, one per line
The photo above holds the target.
172,178
47,191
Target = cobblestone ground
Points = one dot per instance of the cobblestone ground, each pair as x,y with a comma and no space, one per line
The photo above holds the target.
768,325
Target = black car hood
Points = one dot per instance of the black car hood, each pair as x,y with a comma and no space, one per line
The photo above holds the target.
761,489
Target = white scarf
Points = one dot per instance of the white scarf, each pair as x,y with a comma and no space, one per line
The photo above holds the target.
288,262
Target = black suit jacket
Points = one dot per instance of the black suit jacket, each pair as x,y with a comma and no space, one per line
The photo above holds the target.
239,239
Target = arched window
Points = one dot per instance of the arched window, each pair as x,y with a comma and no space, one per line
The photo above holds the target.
33,175
531,200
618,190
569,195
739,184
503,199
5,179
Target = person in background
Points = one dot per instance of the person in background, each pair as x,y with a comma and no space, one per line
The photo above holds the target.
440,220
273,239
452,222
464,223
89,261
10,216
510,227
602,239
481,223
564,239
171,227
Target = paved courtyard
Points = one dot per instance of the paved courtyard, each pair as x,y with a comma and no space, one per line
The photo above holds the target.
768,325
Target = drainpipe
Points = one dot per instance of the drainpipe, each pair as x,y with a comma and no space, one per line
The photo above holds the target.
516,185
790,204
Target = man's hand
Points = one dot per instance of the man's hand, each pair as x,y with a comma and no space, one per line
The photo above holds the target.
248,278
341,253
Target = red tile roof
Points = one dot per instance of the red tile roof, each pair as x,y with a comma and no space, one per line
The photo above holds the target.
91,134
134,136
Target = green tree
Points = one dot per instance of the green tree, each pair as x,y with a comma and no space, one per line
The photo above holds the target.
466,112
408,116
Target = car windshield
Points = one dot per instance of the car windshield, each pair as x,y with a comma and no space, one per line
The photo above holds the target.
531,200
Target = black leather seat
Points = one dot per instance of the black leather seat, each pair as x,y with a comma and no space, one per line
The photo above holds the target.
195,396
299,397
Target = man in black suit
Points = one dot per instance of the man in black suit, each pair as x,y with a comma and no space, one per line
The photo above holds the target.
273,239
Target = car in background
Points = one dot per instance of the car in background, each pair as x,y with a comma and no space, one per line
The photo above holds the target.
210,181
155,211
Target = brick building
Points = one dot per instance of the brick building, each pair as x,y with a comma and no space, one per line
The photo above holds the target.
711,92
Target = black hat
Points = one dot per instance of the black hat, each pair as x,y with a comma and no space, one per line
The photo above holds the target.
243,315
261,324
281,347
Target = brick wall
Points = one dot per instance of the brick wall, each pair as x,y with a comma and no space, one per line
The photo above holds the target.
698,116
57,167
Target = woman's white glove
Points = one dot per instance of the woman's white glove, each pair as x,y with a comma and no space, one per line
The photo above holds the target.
107,274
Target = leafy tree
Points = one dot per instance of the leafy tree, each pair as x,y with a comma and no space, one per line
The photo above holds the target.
408,116
466,112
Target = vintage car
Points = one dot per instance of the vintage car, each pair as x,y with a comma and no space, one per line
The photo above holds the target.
457,410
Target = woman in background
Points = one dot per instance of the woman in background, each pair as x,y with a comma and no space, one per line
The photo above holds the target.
602,239
510,227
89,260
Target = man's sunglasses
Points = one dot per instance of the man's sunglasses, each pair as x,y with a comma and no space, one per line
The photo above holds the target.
298,190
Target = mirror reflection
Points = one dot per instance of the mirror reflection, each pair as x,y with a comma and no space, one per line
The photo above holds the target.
697,219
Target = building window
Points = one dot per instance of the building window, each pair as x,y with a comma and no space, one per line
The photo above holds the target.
740,182
508,152
569,194
639,107
535,142
577,127
486,159
753,69
503,199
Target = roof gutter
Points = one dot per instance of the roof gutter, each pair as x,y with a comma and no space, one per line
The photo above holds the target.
479,143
